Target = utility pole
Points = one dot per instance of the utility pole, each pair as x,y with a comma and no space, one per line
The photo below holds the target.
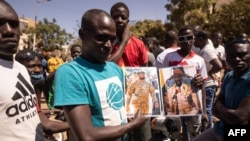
35,27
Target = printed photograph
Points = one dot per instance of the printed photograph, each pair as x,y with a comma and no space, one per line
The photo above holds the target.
142,91
179,97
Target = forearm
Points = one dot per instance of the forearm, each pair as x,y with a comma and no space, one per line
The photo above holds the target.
56,127
203,91
154,98
230,116
128,99
115,57
50,126
216,66
79,118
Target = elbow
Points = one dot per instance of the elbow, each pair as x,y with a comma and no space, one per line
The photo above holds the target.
243,118
48,128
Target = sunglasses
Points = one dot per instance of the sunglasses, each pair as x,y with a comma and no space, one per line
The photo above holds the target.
185,38
104,38
28,56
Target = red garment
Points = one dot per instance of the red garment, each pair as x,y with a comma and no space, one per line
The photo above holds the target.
135,53
38,108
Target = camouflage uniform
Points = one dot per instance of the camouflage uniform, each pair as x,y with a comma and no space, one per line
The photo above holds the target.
141,90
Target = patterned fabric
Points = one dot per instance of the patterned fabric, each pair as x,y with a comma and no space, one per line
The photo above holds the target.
18,112
99,86
54,63
141,90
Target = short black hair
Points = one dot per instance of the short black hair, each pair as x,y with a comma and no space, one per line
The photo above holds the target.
186,28
215,34
119,4
235,40
25,55
201,34
90,16
171,36
75,45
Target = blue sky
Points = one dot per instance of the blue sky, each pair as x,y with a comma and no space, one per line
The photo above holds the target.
68,13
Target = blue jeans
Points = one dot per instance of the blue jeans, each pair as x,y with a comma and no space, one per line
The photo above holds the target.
210,93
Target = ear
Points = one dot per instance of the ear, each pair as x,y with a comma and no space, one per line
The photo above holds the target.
80,33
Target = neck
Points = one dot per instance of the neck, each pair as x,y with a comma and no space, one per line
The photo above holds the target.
92,60
184,53
7,58
238,74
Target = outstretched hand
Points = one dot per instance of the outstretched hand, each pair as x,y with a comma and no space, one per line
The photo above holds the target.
138,120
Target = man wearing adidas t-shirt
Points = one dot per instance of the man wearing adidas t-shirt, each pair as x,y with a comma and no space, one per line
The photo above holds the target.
18,113
185,56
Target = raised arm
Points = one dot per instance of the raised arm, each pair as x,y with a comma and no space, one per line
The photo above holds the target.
115,57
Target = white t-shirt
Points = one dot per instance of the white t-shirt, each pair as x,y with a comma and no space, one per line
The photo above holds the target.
18,114
208,53
160,58
220,51
174,59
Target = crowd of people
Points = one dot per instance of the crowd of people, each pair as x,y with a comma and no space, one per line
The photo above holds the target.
89,89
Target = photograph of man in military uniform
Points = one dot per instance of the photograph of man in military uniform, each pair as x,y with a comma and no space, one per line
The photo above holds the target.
142,91
179,96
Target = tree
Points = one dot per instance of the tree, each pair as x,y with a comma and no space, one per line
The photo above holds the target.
188,12
232,19
149,28
49,35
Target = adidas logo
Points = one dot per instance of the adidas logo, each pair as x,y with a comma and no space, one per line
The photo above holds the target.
28,101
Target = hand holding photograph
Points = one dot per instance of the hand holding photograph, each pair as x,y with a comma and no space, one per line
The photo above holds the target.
180,98
142,91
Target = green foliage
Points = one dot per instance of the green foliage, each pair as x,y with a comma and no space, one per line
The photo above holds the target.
188,12
49,35
231,19
149,28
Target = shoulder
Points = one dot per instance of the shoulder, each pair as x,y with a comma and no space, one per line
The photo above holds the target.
137,41
209,49
133,38
171,54
113,66
21,67
65,68
196,56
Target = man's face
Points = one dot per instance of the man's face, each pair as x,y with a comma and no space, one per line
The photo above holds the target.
9,31
217,39
98,41
238,56
141,75
120,16
178,79
34,66
186,40
75,51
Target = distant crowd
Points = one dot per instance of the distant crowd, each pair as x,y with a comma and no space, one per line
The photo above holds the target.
87,92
